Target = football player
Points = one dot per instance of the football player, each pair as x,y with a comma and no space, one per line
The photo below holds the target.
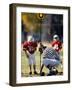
30,47
56,44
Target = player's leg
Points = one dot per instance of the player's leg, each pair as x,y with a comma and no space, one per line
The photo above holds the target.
34,63
34,66
30,69
42,73
53,63
50,63
30,64
45,63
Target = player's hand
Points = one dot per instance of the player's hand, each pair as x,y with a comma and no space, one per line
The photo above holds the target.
27,54
24,49
40,50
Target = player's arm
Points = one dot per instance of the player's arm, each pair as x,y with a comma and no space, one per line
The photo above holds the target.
25,49
35,46
41,48
52,44
25,46
60,46
27,54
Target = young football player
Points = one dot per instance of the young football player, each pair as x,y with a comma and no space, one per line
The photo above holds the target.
56,44
30,47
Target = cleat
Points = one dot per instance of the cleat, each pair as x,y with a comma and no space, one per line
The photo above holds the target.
52,73
30,73
35,72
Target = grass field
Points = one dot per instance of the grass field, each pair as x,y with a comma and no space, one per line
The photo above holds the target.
25,64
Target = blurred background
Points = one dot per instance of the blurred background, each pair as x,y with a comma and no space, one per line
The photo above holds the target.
42,27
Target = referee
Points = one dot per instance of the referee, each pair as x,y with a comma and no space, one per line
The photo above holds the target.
51,59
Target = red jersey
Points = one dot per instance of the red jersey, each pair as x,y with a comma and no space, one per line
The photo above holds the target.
57,45
30,46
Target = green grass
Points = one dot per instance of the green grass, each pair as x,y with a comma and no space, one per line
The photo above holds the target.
25,65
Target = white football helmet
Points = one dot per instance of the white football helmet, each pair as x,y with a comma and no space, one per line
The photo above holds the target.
55,37
30,38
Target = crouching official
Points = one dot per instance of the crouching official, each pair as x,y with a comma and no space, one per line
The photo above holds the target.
50,60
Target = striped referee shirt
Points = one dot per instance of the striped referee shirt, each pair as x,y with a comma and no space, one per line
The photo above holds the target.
50,53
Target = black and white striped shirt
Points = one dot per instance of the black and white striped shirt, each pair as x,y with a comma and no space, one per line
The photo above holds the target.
50,53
